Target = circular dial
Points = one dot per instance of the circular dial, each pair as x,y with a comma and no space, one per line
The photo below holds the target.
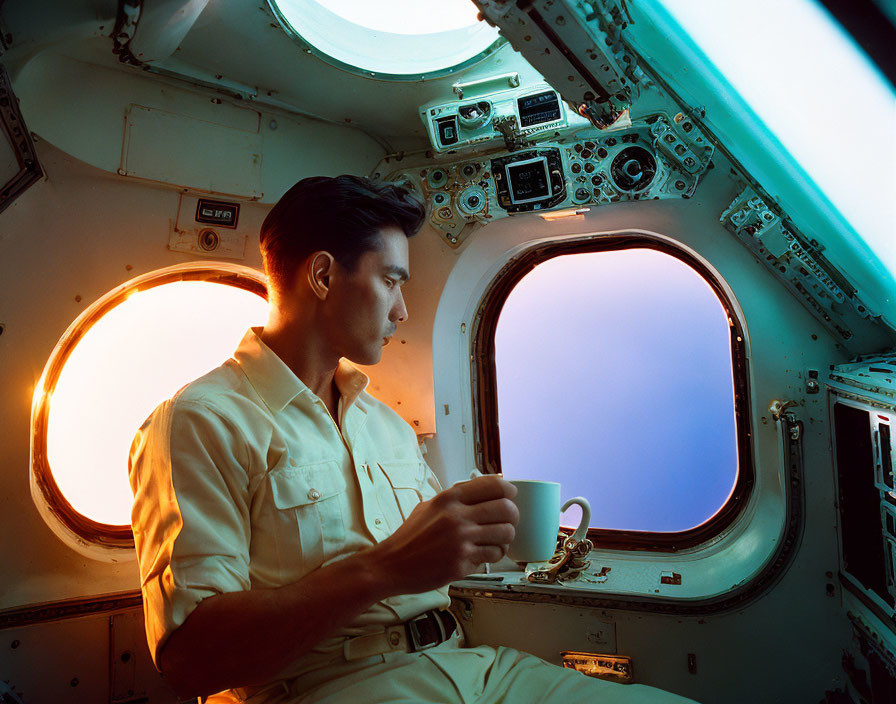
633,169
472,200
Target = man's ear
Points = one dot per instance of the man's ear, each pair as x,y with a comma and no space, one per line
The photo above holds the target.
320,268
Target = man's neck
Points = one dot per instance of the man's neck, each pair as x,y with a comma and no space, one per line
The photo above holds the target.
300,350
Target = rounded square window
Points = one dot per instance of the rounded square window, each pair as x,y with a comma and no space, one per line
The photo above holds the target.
620,374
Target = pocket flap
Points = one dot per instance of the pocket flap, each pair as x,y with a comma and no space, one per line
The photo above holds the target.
305,484
403,474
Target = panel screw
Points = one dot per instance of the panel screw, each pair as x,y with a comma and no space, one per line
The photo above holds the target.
15,644
126,656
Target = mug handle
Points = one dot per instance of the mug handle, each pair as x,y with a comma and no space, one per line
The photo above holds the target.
582,530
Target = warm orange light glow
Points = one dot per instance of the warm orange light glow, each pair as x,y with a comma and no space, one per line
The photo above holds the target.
134,357
568,213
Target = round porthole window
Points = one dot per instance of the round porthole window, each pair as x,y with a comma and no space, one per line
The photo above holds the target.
394,39
126,353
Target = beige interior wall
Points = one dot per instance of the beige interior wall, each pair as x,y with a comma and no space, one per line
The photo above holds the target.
73,236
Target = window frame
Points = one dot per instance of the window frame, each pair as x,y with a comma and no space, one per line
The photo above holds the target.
102,540
309,47
484,386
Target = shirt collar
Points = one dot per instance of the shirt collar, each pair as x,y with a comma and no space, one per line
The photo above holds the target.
277,384
350,381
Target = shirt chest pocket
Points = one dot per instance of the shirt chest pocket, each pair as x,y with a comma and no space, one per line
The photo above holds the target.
310,502
408,481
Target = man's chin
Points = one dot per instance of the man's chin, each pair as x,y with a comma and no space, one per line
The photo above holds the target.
367,357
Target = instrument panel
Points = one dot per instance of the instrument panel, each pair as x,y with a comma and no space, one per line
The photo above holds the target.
656,158
526,113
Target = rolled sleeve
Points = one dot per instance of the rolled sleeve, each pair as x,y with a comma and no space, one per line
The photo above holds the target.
188,473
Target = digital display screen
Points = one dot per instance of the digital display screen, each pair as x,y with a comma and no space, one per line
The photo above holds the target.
528,180
539,108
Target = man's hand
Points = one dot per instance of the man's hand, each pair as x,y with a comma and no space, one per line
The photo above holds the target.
445,538
252,637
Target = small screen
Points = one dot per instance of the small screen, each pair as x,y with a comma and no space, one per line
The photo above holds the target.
447,131
538,108
528,180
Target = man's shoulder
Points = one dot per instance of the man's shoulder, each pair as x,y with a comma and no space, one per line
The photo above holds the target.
373,405
224,390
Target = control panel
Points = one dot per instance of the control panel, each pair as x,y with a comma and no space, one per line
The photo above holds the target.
529,180
655,158
518,116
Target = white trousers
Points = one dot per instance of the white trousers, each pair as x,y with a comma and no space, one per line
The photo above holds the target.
448,674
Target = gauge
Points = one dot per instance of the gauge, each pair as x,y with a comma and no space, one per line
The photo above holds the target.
633,169
472,200
437,178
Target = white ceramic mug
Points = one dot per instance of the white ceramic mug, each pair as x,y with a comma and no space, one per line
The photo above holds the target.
540,509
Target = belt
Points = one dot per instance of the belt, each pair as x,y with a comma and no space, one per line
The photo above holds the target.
425,631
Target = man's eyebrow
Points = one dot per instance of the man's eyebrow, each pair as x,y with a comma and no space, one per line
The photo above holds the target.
398,271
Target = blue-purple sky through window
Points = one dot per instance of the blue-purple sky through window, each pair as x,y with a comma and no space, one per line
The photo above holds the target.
614,378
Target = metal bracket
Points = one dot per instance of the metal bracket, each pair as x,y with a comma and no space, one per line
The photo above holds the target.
682,143
510,130
567,563
486,85
15,131
129,12
798,262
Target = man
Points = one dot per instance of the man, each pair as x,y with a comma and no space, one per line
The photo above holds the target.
293,544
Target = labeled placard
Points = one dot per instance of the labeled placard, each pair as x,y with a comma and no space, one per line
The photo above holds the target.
216,212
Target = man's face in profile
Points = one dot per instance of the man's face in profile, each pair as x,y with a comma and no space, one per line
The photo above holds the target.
365,302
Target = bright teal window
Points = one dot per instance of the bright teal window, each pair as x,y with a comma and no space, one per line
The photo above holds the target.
817,92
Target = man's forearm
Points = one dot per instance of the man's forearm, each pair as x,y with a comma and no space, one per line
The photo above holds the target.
249,638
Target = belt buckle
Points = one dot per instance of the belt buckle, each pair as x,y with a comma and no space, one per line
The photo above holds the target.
414,634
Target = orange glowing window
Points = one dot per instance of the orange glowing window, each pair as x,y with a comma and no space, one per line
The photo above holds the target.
129,351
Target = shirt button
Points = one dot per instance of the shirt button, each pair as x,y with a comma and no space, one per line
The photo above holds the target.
377,521
292,462
314,494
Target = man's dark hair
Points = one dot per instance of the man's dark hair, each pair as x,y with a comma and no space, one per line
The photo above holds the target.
341,215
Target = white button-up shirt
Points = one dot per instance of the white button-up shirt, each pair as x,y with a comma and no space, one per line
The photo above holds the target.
243,479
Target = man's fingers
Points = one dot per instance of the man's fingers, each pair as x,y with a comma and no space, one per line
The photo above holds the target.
484,489
495,534
494,511
489,553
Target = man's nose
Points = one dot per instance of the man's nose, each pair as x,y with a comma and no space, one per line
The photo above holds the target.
400,311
